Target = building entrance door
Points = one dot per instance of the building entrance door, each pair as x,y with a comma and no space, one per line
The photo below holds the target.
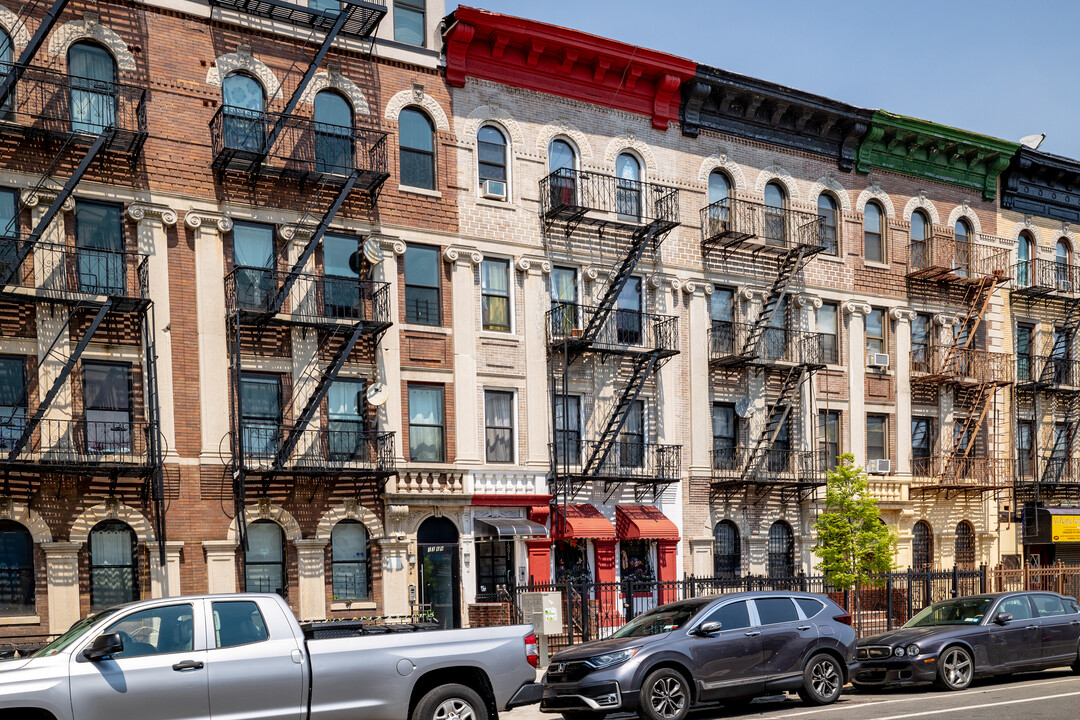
440,575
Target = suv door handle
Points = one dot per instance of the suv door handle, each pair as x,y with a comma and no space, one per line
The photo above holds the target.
1032,627
753,633
803,627
188,665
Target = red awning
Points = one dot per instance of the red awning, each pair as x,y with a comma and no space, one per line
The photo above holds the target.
643,522
582,521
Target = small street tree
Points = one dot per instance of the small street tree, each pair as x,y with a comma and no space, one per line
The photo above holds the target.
855,547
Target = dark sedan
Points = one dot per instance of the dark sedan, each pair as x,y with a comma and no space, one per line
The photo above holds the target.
726,649
953,642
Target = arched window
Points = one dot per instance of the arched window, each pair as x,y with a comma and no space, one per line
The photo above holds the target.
826,210
114,577
873,235
963,237
965,545
775,201
491,161
1062,261
1024,255
16,569
727,551
562,162
264,561
920,247
93,87
350,561
333,134
243,112
719,204
627,187
7,49
922,547
781,550
416,137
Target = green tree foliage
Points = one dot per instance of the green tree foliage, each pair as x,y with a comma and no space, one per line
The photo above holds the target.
854,546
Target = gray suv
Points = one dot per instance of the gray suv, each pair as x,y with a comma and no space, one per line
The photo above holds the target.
717,649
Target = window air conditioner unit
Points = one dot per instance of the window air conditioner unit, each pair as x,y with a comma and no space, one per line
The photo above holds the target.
1064,286
879,467
493,189
879,360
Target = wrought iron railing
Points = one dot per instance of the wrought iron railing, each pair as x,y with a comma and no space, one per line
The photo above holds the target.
1040,276
71,271
778,465
304,148
627,460
728,345
731,220
47,102
944,363
362,17
313,298
76,442
1047,371
574,193
1052,471
318,450
974,471
620,330
944,257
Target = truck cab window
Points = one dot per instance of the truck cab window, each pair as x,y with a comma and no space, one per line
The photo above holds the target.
238,623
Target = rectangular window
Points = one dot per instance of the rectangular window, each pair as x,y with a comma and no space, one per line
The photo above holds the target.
826,326
722,313
779,455
260,399
628,326
9,229
253,260
495,294
494,569
341,281
920,342
922,438
632,437
426,430
107,399
568,429
725,430
564,301
1025,458
877,441
776,336
499,425
875,332
722,305
829,437
409,22
1024,334
99,236
873,245
13,400
422,290
345,419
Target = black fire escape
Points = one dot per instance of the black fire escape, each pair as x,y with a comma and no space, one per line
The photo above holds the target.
72,122
582,212
1047,391
751,237
344,316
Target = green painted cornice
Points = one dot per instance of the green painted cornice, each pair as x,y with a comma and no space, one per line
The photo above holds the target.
936,152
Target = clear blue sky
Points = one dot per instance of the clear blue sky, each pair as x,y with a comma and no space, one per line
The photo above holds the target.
1001,68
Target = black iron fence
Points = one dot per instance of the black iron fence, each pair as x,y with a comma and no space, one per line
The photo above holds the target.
313,298
620,330
729,221
729,343
319,450
70,271
571,194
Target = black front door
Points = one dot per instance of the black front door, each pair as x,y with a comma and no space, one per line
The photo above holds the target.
439,574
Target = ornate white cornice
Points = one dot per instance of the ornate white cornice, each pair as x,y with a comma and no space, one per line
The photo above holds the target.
462,254
393,244
32,198
140,211
856,307
658,280
805,300
901,314
195,219
590,273
751,293
947,319
534,264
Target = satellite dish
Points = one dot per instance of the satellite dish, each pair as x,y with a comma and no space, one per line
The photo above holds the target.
372,252
744,407
377,394
1033,141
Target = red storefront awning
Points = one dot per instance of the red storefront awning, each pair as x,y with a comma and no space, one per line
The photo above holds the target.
643,522
582,521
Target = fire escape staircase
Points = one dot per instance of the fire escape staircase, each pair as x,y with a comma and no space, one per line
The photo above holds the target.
641,239
791,262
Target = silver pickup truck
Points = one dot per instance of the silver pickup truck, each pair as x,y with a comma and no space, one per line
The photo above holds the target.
233,657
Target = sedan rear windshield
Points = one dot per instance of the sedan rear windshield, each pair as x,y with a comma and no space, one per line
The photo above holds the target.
661,620
964,611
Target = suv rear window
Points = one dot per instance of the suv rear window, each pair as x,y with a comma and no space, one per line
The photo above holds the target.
776,610
809,607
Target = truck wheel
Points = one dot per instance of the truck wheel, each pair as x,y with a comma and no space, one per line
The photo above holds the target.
956,668
665,695
823,680
451,702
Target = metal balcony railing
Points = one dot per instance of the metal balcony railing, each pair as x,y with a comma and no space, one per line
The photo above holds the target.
732,221
1048,372
728,346
945,258
46,103
319,450
77,444
946,364
71,272
780,465
1054,471
305,149
313,299
572,195
628,461
362,17
974,472
621,331
1046,277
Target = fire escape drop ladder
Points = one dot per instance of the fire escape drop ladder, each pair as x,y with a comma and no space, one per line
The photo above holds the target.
778,414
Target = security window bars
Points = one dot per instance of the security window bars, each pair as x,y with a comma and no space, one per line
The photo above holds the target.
727,553
965,546
350,561
499,426
409,22
781,550
495,294
99,236
264,561
13,400
260,398
725,435
107,399
876,437
426,430
922,542
827,331
422,291
345,419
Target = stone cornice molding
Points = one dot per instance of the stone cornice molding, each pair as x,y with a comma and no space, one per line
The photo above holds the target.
337,81
857,308
32,198
690,286
806,300
463,255
1041,183
947,319
534,264
902,314
658,280
632,143
563,128
140,211
195,219
751,294
242,59
494,115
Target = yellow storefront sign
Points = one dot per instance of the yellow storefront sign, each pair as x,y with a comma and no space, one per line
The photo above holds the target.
1065,528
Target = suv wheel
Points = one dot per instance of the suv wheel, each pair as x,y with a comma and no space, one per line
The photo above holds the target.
451,702
823,680
665,695
956,668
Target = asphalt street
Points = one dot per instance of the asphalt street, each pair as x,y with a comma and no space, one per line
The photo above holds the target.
1051,695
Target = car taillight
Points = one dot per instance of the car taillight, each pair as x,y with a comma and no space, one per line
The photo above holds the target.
845,618
532,653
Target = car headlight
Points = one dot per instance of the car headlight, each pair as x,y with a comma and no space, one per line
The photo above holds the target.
898,652
613,658
912,650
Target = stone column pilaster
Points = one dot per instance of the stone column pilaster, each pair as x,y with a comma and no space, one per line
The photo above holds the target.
903,318
699,380
220,565
856,344
388,355
62,576
311,571
395,578
536,302
463,298
165,580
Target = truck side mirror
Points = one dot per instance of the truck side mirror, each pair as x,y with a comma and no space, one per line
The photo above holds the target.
103,646
1002,618
708,628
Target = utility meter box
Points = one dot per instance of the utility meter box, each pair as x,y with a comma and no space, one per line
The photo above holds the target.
544,611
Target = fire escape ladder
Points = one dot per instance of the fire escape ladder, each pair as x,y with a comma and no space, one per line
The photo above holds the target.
638,242
1055,468
61,378
326,378
153,440
978,300
57,203
789,264
779,412
644,365
977,412
7,86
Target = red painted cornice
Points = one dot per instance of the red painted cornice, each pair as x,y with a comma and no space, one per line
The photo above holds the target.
557,60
